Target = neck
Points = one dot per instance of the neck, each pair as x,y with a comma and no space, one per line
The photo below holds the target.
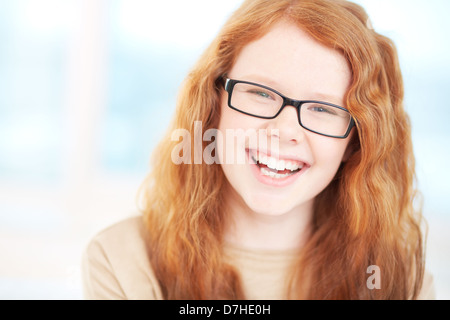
249,229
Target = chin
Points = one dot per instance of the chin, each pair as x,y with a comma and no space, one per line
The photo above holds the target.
269,208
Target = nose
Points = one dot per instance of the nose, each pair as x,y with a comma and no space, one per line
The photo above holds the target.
287,126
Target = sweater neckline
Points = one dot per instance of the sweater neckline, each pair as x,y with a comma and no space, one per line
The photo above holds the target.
261,253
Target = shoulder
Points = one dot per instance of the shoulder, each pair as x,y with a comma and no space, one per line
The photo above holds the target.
130,230
116,264
428,291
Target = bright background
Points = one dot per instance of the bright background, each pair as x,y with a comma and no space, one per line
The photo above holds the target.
87,88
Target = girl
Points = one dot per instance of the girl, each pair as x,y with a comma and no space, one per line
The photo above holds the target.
322,210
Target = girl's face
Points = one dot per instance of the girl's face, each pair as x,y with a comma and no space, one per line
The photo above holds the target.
290,61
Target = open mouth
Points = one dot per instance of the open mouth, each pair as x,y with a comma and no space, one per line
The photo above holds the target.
276,168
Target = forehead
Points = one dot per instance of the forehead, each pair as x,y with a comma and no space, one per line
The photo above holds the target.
295,63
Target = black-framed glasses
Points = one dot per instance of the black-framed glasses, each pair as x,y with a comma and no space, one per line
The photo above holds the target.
259,101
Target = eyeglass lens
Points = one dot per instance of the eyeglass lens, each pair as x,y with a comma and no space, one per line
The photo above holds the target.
262,102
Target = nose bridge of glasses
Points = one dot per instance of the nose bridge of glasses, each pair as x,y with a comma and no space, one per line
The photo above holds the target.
291,102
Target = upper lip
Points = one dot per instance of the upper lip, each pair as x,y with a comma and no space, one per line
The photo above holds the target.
280,156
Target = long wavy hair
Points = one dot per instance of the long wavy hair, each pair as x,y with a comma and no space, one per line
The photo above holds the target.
366,215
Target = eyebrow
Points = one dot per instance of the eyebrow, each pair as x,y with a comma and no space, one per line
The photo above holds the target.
262,80
328,97
315,95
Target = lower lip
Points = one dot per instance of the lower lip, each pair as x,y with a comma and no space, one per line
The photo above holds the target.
274,182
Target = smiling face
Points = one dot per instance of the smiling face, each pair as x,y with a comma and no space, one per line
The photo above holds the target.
290,61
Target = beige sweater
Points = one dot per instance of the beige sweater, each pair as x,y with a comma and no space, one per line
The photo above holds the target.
116,265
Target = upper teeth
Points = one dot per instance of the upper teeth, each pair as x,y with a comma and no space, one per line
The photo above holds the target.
277,164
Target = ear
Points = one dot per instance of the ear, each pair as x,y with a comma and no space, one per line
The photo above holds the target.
348,152
351,147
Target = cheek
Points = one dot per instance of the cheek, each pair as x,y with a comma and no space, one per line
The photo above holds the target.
328,153
237,130
228,122
232,119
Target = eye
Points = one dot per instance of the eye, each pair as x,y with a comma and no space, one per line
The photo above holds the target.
322,109
261,93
